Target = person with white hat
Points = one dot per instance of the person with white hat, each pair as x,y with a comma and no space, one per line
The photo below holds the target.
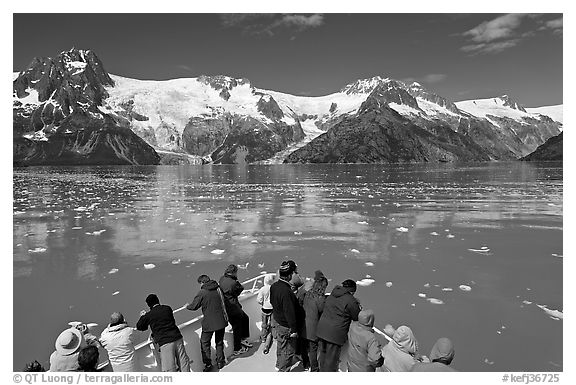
68,345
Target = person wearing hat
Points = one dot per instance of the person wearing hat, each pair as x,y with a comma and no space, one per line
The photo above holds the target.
340,309
68,345
313,305
118,340
160,319
364,350
211,300
239,320
400,353
441,356
284,311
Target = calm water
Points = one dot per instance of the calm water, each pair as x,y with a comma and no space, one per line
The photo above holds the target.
408,227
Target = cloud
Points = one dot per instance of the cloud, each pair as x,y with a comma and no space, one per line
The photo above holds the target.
506,31
429,79
268,24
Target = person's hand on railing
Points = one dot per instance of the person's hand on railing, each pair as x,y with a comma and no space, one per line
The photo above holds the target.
186,305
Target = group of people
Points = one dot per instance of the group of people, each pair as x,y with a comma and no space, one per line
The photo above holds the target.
308,326
313,328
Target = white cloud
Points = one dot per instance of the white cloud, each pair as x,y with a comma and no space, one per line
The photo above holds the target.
269,24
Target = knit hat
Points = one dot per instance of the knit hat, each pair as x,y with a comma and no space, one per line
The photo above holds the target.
318,275
366,318
69,341
285,268
349,284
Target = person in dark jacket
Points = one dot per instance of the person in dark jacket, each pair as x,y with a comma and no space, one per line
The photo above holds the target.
166,334
284,311
313,304
340,309
211,300
441,356
239,320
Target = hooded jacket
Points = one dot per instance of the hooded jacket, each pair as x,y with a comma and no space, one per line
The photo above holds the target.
284,305
118,342
399,353
313,307
441,355
208,298
231,289
340,309
263,297
364,350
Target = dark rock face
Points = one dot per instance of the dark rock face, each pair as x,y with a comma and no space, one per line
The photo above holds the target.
416,90
65,124
497,143
508,101
87,147
549,151
249,140
269,108
202,136
378,134
222,83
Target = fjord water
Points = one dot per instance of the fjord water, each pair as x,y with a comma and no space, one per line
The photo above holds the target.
410,228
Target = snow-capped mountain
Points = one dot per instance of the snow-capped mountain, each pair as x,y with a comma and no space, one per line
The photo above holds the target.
555,112
228,120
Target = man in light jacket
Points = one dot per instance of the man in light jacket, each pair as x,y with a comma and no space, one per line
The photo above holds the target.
364,350
118,341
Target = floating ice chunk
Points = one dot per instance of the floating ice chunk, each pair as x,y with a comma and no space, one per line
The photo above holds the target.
465,287
261,265
365,282
421,295
449,236
254,241
446,289
427,285
525,302
433,233
97,232
552,313
177,261
151,241
297,232
37,250
402,229
354,251
113,271
217,251
77,228
388,284
487,361
483,249
116,293
362,223
369,264
149,266
557,255
368,276
435,301
244,267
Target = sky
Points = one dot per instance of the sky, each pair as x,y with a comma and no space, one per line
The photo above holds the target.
459,56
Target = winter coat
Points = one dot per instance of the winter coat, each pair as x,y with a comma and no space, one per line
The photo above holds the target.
441,355
399,353
284,305
162,323
209,299
364,350
61,363
263,297
313,306
231,289
118,340
340,309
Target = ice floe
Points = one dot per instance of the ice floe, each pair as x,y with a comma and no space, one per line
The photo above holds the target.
370,264
556,314
37,250
483,249
421,295
97,232
149,266
402,229
113,271
388,284
435,301
446,289
464,287
244,267
217,251
176,261
365,282
116,293
433,233
354,251
261,265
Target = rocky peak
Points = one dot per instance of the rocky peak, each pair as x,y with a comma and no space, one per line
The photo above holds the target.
510,102
222,83
364,86
389,92
415,89
268,107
